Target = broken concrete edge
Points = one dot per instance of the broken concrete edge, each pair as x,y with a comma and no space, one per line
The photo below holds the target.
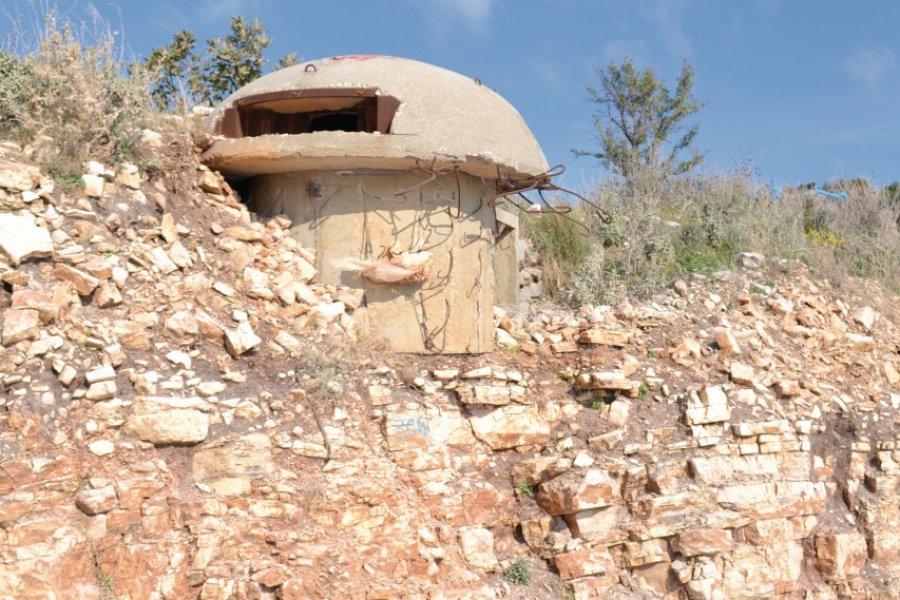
441,113
346,151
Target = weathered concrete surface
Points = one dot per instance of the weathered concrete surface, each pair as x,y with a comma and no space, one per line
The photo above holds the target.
506,261
443,117
359,215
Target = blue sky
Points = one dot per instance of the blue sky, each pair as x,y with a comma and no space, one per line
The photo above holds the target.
804,90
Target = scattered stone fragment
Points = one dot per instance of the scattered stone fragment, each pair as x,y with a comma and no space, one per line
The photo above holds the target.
17,176
577,490
860,343
241,340
103,390
478,547
163,421
93,185
752,260
709,406
741,374
619,411
787,388
101,448
100,374
96,501
865,317
288,341
84,283
21,239
727,343
108,295
179,358
162,261
602,337
20,325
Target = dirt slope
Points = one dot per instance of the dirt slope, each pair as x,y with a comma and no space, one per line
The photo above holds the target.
185,413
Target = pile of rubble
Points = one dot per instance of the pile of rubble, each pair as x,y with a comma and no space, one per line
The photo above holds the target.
185,413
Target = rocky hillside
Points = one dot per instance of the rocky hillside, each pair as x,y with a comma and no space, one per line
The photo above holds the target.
185,413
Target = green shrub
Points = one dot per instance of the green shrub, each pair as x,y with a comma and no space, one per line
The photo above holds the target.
561,243
181,77
702,224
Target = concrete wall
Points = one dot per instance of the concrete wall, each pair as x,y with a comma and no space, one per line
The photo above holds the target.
506,262
359,215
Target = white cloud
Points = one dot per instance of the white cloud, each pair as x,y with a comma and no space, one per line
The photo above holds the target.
870,65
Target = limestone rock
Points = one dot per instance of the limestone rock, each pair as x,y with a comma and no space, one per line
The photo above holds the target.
163,421
478,547
741,374
787,387
891,373
702,541
288,342
496,395
709,406
93,185
505,340
47,309
96,501
618,412
101,448
209,182
840,556
227,466
241,340
105,373
162,261
84,283
327,312
865,317
108,296
183,326
602,337
102,390
752,260
727,343
576,490
607,380
583,563
21,239
17,176
510,426
20,325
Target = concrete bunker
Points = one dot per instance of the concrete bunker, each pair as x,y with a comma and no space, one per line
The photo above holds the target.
393,171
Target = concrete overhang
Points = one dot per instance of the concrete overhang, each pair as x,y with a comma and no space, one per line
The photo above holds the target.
408,113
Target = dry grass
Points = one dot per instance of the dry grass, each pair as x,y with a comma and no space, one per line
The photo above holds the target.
66,91
702,224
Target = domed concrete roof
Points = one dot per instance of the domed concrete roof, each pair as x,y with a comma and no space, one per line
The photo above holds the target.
367,112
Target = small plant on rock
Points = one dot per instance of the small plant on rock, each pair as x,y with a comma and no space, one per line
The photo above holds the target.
525,489
518,573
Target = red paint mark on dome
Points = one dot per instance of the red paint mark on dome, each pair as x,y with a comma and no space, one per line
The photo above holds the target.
355,57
